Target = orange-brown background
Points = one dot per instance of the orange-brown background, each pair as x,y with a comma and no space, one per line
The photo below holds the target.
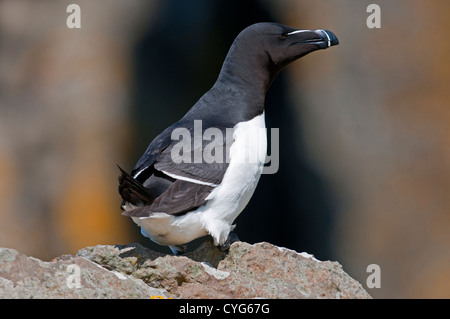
372,119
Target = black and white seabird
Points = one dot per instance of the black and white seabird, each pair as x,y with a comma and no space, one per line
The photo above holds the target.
175,202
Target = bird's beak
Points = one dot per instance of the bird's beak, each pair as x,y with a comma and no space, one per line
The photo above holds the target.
328,37
322,38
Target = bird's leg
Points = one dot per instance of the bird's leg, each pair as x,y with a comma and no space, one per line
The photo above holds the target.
232,237
178,249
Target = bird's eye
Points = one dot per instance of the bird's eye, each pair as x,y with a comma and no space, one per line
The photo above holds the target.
282,36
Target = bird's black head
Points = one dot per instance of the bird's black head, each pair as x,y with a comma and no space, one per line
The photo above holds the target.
271,46
278,44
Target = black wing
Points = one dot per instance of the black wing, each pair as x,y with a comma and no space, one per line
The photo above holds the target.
159,184
178,199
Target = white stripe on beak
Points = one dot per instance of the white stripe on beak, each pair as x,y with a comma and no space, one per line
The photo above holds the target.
328,37
298,31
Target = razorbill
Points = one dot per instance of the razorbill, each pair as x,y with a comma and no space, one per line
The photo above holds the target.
189,184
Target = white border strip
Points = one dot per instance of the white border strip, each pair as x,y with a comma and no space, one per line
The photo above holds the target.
191,180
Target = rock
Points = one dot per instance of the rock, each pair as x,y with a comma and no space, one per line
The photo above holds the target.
132,271
28,277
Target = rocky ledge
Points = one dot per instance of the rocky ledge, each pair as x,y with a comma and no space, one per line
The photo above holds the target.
261,270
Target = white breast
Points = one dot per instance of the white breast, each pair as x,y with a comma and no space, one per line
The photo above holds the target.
247,157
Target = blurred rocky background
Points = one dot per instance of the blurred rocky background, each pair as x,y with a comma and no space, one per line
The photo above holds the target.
364,172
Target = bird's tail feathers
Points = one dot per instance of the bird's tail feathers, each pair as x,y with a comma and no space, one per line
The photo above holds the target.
133,191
